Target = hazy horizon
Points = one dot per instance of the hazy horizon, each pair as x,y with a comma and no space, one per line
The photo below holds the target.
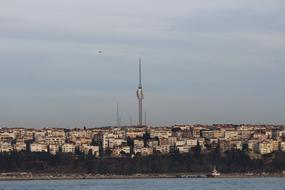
203,62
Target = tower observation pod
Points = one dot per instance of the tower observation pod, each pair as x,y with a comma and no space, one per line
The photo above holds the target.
140,95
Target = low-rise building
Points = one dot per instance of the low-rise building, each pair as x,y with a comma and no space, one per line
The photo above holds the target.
87,149
7,136
55,140
39,136
172,140
235,145
119,142
6,147
183,149
152,142
160,132
37,147
164,149
264,147
135,132
192,142
53,149
144,151
275,145
20,146
119,151
180,142
211,134
282,146
232,135
68,148
252,144
138,143
163,141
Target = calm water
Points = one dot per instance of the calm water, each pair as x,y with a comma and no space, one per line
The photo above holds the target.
149,184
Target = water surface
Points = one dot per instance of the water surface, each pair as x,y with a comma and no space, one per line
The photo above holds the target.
149,184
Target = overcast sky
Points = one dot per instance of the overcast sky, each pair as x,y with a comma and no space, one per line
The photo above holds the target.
206,62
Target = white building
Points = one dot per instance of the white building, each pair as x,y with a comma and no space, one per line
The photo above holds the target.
180,143
89,148
68,148
7,136
119,150
282,146
53,140
192,142
6,147
138,143
160,133
20,146
37,147
231,135
164,149
264,147
40,136
144,151
108,140
119,142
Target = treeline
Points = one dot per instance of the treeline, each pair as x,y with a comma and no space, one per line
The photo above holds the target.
231,161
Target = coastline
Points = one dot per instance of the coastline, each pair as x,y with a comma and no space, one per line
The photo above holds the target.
48,176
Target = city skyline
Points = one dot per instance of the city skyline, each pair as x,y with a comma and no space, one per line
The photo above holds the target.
68,64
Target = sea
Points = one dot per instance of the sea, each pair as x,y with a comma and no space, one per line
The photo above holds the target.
149,184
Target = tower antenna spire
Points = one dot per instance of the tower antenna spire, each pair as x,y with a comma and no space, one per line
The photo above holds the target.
140,72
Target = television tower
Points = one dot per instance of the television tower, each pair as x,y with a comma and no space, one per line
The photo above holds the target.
140,95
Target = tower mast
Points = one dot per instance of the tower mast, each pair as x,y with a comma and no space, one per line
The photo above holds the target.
118,116
140,95
140,73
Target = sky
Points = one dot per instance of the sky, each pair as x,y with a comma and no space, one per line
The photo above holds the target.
205,62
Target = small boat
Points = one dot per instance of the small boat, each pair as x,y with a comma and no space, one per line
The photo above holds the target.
214,173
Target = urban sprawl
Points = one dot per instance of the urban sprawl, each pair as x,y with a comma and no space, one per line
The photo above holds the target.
257,140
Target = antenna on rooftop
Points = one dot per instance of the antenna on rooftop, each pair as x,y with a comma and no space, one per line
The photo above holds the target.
145,119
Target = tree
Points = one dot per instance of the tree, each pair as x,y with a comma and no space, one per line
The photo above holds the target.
197,150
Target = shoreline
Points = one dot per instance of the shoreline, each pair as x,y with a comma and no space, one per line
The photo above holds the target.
47,176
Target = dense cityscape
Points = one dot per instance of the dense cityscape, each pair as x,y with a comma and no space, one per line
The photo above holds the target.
257,140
